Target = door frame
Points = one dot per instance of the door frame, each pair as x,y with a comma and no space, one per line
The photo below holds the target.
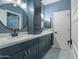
54,26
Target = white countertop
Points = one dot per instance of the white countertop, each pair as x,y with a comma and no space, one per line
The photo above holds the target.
8,41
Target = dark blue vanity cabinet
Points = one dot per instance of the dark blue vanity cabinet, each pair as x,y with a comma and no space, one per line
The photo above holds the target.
32,49
44,45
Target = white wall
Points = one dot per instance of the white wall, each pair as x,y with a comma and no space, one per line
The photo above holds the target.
74,25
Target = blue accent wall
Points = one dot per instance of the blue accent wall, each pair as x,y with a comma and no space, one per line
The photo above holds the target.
57,6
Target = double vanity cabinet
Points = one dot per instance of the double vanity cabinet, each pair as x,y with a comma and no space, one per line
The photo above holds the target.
32,49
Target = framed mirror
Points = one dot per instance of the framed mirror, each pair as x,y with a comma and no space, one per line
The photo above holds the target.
46,21
13,15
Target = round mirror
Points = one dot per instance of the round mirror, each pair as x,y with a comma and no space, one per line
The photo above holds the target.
13,15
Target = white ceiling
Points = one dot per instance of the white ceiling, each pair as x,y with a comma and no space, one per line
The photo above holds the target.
46,2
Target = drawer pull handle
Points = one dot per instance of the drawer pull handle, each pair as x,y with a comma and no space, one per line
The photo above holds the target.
26,53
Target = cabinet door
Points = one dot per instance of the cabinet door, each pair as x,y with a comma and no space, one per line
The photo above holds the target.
49,41
26,54
42,43
19,55
14,56
42,46
33,51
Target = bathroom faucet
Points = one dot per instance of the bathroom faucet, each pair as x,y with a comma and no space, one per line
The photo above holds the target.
15,32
